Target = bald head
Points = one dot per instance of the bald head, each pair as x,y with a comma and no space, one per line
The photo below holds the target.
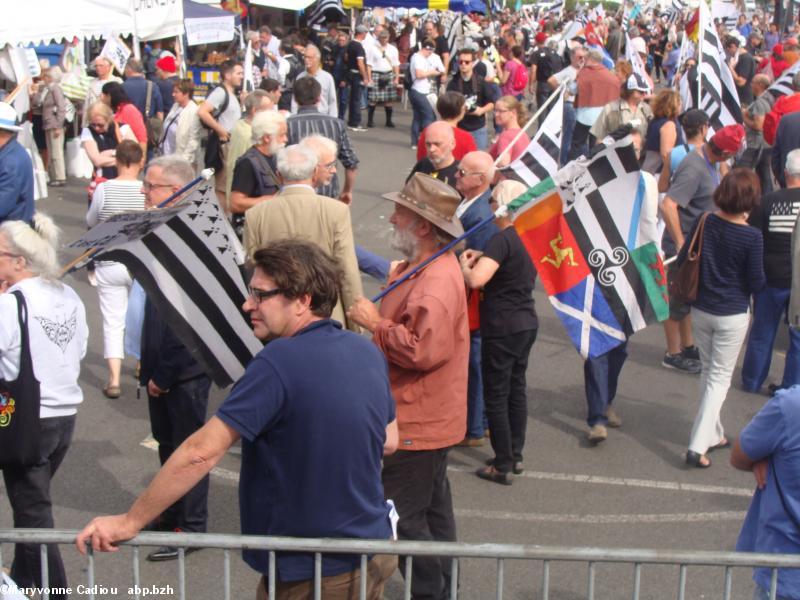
440,141
760,83
478,173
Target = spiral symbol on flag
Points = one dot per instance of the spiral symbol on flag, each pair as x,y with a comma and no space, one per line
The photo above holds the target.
606,264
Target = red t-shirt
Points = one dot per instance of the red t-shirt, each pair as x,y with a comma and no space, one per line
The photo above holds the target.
464,143
128,114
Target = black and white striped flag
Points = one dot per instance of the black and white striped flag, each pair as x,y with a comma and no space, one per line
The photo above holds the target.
453,31
541,158
556,8
675,11
319,15
185,257
718,96
782,86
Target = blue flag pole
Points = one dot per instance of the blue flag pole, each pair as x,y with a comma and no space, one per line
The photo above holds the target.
500,212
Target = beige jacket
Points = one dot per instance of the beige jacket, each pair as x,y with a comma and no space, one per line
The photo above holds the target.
298,212
187,138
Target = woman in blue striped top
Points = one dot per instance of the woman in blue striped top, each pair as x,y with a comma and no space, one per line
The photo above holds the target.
731,270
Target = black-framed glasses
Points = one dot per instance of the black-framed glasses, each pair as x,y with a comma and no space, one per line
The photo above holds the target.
259,296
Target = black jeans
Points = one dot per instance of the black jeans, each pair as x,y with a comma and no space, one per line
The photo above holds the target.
29,494
417,482
175,416
504,361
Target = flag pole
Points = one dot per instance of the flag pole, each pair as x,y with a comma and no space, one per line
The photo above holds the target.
530,122
77,263
500,212
700,36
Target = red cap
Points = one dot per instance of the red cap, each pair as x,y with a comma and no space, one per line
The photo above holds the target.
729,138
777,49
541,37
792,41
167,64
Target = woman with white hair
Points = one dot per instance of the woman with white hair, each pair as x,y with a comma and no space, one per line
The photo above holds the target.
43,329
508,329
50,97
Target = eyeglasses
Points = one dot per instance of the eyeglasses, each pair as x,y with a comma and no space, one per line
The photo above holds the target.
331,166
463,173
465,62
259,296
146,185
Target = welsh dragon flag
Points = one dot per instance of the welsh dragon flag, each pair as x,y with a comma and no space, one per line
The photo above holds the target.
600,267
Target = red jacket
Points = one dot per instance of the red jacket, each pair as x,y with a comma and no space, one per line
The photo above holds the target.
782,106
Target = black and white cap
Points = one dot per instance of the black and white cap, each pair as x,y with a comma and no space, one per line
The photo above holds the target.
637,83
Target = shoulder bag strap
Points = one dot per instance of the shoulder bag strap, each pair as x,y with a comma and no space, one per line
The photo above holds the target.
696,247
147,101
25,361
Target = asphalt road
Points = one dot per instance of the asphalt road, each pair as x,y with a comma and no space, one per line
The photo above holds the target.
633,491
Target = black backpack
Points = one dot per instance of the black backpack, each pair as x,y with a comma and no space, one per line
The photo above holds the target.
549,64
212,158
296,67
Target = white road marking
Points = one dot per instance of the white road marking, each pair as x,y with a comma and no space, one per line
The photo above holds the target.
151,444
642,483
600,519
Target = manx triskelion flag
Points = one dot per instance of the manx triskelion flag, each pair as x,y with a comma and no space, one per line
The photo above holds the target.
604,276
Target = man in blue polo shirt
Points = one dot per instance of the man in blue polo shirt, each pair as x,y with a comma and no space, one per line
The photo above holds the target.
16,170
313,438
769,446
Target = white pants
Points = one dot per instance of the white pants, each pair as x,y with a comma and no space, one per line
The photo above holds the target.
719,340
113,286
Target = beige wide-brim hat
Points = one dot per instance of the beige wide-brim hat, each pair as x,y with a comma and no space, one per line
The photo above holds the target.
433,200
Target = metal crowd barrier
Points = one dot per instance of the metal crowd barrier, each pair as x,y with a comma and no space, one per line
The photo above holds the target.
455,550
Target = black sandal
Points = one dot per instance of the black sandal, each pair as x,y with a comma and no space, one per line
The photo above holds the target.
694,459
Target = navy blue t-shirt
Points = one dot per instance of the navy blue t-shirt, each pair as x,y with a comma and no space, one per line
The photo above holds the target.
312,410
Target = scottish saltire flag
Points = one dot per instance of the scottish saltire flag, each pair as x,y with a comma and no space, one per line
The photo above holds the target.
718,96
186,257
604,276
782,86
540,159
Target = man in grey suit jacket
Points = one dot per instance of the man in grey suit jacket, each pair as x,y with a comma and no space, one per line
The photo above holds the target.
297,211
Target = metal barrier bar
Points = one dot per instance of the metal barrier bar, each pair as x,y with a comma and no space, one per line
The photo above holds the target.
362,594
407,579
271,590
682,583
773,585
226,565
728,583
182,573
89,571
590,584
454,579
136,578
500,566
545,579
637,580
45,571
318,576
452,549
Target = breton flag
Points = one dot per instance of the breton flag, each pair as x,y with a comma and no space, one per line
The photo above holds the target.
718,96
725,11
782,86
602,272
636,61
323,11
540,159
557,8
187,258
453,31
675,11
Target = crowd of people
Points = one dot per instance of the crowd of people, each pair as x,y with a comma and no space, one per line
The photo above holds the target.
441,361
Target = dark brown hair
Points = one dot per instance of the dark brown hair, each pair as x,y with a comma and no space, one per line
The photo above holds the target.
738,192
449,105
128,153
299,267
185,86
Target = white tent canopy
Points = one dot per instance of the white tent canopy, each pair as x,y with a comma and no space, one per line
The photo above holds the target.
60,20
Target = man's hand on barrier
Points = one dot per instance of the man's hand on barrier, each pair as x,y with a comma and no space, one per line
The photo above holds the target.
103,533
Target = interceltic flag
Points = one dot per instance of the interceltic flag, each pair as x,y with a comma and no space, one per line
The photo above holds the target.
603,273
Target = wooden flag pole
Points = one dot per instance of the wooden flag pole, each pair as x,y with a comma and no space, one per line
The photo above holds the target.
530,121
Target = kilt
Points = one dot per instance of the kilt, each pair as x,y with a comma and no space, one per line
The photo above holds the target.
383,88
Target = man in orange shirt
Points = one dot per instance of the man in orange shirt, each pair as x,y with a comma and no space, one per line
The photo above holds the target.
423,330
